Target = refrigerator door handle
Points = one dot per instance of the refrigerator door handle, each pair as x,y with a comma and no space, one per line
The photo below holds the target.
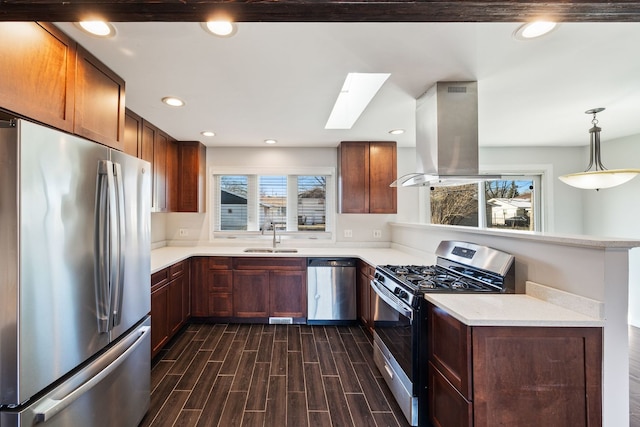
101,238
120,244
50,406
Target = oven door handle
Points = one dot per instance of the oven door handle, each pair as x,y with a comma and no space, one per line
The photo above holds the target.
390,299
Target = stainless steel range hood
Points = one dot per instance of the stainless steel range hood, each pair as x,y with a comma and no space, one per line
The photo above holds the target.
446,136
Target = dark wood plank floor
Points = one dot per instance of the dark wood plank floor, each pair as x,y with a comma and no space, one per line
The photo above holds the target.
270,375
634,376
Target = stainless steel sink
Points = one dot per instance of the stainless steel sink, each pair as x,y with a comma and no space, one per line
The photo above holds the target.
270,251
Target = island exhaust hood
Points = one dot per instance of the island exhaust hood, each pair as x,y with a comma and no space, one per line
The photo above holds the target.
446,137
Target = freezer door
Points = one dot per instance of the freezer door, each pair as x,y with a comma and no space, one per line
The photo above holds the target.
112,390
133,298
50,325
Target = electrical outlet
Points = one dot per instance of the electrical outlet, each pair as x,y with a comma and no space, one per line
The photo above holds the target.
348,233
184,232
377,234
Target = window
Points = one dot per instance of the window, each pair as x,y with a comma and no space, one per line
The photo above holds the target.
497,204
296,204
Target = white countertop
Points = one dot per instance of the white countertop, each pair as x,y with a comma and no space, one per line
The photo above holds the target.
509,310
168,255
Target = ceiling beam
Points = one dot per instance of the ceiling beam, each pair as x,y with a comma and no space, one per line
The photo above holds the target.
321,10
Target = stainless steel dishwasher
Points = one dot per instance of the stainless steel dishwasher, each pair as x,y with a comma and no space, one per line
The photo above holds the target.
331,290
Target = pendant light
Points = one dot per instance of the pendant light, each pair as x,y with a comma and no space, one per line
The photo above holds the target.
599,177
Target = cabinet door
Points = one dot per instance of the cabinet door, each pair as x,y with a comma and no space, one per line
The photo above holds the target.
38,72
354,177
191,177
159,320
450,348
160,145
447,407
382,172
288,294
251,293
132,133
172,176
99,102
174,308
146,152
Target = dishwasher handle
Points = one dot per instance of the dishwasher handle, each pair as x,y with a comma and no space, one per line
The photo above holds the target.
331,262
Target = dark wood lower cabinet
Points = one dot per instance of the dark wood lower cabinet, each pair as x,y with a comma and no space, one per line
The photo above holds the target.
249,288
486,376
170,303
288,293
251,293
366,295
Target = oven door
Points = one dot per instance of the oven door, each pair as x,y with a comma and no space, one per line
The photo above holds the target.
394,343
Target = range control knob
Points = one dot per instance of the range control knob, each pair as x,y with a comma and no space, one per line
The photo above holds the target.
400,293
379,277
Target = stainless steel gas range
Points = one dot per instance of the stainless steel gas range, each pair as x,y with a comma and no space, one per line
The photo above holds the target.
400,333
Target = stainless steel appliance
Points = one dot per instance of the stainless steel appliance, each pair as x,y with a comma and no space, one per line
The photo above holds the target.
74,281
331,290
400,333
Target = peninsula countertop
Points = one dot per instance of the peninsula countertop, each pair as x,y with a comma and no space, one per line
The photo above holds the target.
510,310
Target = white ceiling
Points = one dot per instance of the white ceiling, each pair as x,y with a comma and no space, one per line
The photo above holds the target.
280,80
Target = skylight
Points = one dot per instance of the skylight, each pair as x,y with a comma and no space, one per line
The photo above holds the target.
356,93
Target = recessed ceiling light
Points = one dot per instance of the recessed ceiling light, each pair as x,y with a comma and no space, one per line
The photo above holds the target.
220,28
396,131
173,101
356,93
97,28
532,30
270,141
207,133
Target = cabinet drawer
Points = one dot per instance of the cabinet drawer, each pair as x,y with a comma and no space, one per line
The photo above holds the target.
177,269
159,278
447,407
220,281
269,263
220,263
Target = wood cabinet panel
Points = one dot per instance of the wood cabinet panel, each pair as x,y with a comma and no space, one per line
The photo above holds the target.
251,293
191,176
382,172
449,407
287,293
365,171
354,177
132,133
450,349
266,263
172,170
212,290
547,376
99,101
146,151
160,145
38,73
174,307
365,294
159,319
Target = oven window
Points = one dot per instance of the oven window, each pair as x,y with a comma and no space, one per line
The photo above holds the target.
396,333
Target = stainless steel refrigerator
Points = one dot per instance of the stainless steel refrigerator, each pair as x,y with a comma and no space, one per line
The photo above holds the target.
74,281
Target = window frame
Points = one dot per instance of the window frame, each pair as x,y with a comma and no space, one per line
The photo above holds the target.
540,174
253,215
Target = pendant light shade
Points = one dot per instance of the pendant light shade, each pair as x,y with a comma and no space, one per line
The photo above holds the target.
597,176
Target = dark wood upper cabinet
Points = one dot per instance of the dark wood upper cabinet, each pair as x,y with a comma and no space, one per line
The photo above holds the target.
38,64
172,175
132,133
365,170
99,102
191,176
